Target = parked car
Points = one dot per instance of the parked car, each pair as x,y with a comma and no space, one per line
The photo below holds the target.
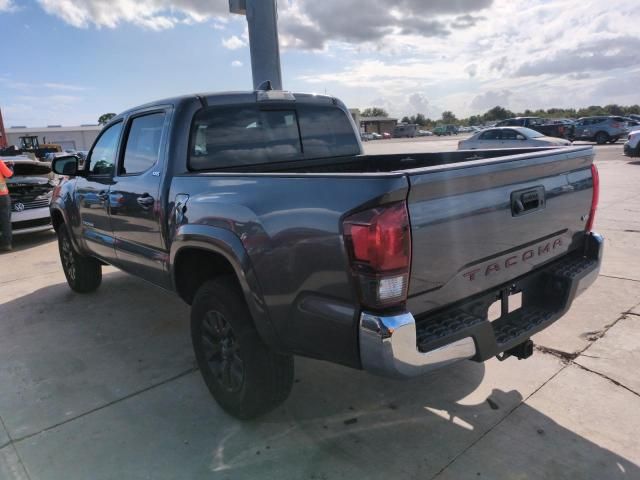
405,130
376,136
601,129
510,137
286,239
545,127
424,133
632,125
30,189
632,145
441,130
365,137
386,135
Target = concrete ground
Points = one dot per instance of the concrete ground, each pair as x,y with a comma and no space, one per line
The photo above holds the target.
104,386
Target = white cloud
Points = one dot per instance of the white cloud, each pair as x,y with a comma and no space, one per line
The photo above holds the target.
64,86
151,14
461,55
236,63
6,6
233,43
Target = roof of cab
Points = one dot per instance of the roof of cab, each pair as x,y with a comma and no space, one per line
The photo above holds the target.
232,97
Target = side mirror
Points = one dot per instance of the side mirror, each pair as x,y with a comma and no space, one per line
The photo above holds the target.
67,165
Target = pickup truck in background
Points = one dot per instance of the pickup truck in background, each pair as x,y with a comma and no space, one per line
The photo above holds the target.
538,124
261,211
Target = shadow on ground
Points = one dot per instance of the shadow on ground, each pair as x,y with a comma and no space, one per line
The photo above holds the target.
25,241
63,355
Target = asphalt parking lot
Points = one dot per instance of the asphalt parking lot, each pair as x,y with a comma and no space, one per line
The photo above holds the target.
104,386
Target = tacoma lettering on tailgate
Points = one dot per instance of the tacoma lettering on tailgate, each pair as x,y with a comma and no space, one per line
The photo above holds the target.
510,261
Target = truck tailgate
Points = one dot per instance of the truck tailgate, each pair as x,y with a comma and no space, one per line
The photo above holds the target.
482,223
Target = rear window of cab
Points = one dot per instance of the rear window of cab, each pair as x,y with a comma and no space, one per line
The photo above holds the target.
245,135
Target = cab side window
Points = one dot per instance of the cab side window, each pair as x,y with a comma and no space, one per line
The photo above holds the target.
102,158
143,144
490,135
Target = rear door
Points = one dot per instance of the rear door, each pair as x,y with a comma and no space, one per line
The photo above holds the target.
92,194
135,197
510,138
490,139
469,233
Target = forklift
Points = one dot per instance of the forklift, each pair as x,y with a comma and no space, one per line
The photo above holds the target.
30,144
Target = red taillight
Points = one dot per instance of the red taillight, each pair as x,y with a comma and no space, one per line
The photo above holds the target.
595,198
379,246
616,125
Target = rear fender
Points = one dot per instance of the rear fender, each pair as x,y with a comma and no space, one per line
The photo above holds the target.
226,243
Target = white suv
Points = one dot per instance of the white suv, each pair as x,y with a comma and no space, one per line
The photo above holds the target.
632,146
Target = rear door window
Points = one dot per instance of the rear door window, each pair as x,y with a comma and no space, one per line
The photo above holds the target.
243,136
490,135
508,134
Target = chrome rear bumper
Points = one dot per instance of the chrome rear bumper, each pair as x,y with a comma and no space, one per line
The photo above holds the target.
388,347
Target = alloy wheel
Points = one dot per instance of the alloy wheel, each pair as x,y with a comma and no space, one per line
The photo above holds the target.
222,351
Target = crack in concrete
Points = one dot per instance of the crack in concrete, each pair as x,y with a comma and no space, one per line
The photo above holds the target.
490,429
619,278
615,382
572,358
564,356
13,447
101,407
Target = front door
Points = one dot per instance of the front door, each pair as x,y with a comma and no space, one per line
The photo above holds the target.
135,199
92,194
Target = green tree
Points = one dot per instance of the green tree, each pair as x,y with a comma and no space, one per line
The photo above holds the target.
105,118
405,119
374,112
498,113
448,117
614,109
419,119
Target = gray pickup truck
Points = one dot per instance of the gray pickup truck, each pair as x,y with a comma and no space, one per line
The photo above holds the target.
261,211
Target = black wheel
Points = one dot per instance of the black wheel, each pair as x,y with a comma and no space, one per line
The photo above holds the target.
614,140
602,138
84,274
246,378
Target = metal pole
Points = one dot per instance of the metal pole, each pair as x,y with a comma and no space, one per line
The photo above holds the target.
262,18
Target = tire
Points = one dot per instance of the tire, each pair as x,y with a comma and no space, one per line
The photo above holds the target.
246,378
614,140
84,274
601,138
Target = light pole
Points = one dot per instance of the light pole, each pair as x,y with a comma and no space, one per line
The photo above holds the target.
262,18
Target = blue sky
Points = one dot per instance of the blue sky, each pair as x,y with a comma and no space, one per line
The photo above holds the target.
68,61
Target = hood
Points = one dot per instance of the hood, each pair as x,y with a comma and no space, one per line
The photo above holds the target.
28,173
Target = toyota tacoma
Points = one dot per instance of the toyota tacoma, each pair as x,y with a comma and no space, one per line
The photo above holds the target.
262,212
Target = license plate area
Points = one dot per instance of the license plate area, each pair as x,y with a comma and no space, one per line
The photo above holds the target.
508,300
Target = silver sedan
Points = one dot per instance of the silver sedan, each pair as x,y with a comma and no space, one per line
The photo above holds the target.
510,137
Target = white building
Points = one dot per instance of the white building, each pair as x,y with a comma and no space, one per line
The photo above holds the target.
69,138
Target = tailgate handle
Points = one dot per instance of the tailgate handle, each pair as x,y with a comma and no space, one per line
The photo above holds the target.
527,201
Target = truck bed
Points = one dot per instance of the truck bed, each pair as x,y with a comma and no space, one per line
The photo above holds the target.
385,163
